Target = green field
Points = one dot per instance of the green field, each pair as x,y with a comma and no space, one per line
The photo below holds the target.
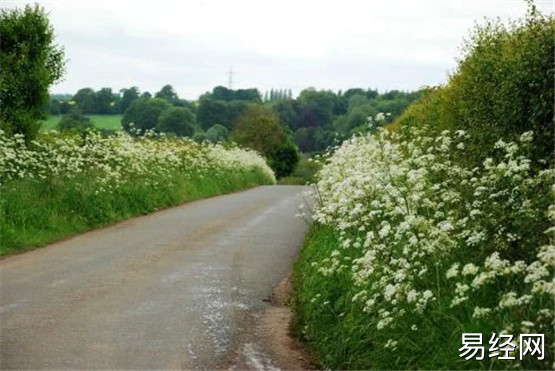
100,121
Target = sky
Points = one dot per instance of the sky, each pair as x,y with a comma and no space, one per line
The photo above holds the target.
193,44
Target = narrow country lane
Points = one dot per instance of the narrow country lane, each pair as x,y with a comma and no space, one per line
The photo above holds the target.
170,290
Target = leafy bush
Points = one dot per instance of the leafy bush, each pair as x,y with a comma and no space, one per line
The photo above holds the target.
258,128
199,136
285,159
304,173
177,120
502,87
217,133
143,114
75,121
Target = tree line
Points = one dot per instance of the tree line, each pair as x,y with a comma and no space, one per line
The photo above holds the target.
315,120
277,125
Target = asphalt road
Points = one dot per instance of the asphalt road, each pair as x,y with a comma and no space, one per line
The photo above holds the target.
171,290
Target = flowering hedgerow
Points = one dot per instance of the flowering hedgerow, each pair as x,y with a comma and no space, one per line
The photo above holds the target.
63,184
118,158
420,236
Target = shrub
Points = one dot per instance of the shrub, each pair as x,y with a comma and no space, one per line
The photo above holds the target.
285,159
217,133
503,87
258,128
75,121
177,120
143,114
199,136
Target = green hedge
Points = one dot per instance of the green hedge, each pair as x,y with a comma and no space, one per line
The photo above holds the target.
503,86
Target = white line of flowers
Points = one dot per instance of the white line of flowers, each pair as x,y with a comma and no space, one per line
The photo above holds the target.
118,158
415,227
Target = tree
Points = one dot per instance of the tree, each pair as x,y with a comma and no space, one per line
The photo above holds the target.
356,100
249,95
85,99
144,113
128,96
217,133
353,91
288,112
225,94
316,108
184,103
303,138
258,128
55,108
104,99
167,93
30,63
199,136
222,93
284,161
211,112
177,120
75,121
65,107
234,109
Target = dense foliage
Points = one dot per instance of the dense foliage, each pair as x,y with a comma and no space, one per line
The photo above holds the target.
503,87
177,120
315,120
423,250
63,184
144,114
443,224
75,121
258,128
30,63
320,119
107,102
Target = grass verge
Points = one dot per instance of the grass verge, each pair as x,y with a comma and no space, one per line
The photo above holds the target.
337,336
36,213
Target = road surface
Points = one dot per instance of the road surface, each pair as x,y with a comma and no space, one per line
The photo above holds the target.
171,290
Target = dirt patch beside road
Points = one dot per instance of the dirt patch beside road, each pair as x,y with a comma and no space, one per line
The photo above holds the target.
287,350
268,344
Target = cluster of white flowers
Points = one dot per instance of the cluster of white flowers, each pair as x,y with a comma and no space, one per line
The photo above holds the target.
119,158
416,227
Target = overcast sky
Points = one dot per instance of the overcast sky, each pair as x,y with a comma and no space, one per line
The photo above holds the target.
385,44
